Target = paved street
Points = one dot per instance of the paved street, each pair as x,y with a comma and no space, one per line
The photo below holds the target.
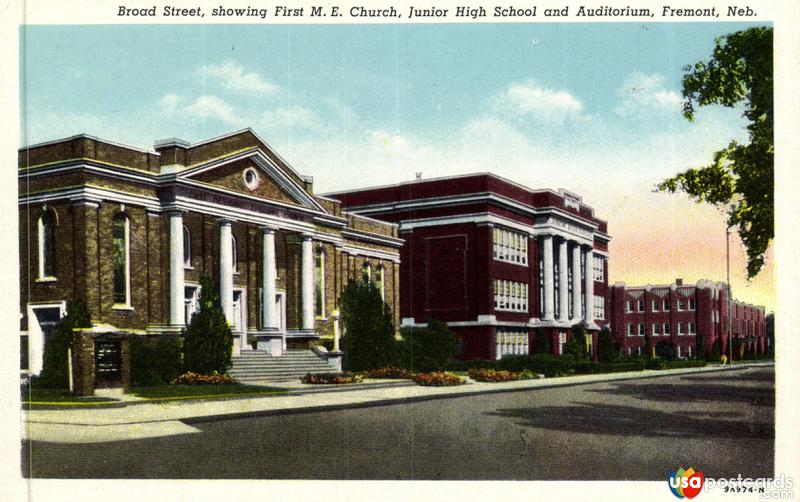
721,423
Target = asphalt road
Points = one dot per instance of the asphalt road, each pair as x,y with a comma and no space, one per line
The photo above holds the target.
720,423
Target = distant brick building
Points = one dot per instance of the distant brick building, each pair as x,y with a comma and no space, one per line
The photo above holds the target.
496,260
685,316
130,231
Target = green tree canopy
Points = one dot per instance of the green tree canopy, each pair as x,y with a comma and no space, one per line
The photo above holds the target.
740,177
369,331
55,367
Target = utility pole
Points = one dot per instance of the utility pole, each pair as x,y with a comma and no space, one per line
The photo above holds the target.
728,267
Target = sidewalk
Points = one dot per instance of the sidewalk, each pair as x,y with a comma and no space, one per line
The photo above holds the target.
169,418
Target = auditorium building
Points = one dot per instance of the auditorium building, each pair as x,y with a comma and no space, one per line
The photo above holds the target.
130,231
690,317
497,261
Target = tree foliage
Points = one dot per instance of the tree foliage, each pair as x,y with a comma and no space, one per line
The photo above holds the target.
55,367
208,338
542,342
607,350
429,348
740,177
369,331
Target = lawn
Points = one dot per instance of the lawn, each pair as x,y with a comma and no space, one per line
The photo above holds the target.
62,397
175,392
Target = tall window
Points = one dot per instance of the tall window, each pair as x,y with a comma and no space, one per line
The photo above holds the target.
234,256
121,259
187,247
510,246
47,252
381,282
366,273
510,295
598,268
319,293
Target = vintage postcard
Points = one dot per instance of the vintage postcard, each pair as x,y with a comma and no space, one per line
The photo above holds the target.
319,250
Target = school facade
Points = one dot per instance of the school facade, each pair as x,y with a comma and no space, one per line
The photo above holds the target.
499,262
130,231
690,317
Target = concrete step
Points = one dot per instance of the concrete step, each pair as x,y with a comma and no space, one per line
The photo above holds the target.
255,365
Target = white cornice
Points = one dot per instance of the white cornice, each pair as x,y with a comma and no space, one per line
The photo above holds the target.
359,251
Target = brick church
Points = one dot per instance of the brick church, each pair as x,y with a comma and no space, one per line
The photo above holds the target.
130,231
499,262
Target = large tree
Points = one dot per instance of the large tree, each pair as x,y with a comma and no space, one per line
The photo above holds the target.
208,339
740,177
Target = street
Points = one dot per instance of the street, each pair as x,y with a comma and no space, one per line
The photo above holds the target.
721,423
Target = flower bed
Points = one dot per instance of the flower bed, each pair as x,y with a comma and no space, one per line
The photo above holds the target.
489,375
192,378
389,373
331,378
438,379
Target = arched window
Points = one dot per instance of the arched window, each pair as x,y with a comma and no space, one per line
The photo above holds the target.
366,273
47,249
121,259
234,254
187,247
319,283
380,282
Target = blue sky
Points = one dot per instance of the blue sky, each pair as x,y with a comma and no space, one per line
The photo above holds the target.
594,108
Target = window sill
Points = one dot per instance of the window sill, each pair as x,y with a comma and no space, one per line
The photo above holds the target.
320,318
46,279
188,267
119,306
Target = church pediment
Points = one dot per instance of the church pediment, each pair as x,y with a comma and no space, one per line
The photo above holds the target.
252,173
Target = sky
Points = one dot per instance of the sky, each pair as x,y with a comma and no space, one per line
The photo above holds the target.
593,108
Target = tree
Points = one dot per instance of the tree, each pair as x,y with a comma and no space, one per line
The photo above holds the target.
55,367
740,177
577,345
665,350
607,351
542,342
429,348
208,339
369,331
700,353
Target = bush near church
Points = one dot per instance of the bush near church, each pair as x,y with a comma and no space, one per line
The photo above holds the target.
369,331
155,362
429,348
208,340
55,367
606,349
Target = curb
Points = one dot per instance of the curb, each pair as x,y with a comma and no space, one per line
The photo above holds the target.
431,397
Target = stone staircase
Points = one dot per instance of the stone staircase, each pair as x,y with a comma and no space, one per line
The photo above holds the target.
252,366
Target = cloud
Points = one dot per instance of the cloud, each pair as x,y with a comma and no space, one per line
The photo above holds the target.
643,94
233,77
203,107
291,117
529,99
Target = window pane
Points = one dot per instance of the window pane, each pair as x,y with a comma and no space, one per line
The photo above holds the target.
120,260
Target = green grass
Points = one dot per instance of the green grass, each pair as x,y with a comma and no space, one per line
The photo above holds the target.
176,392
61,397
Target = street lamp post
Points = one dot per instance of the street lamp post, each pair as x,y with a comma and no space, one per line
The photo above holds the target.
728,271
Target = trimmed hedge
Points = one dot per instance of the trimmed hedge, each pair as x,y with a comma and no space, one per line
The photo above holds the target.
547,364
155,362
589,367
661,364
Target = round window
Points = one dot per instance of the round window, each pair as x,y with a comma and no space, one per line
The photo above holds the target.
251,178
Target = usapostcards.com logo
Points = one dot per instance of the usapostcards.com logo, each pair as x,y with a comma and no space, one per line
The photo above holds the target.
685,483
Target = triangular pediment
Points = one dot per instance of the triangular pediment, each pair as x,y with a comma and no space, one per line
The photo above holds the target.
254,174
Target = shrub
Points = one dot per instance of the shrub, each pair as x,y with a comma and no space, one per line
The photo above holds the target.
665,350
208,339
331,378
589,367
488,375
577,345
607,351
542,342
389,373
369,331
55,367
155,362
438,379
472,363
547,364
429,348
662,364
716,355
192,378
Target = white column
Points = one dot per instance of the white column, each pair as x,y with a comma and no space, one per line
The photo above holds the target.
269,276
177,311
549,290
563,281
226,269
576,282
307,281
589,289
